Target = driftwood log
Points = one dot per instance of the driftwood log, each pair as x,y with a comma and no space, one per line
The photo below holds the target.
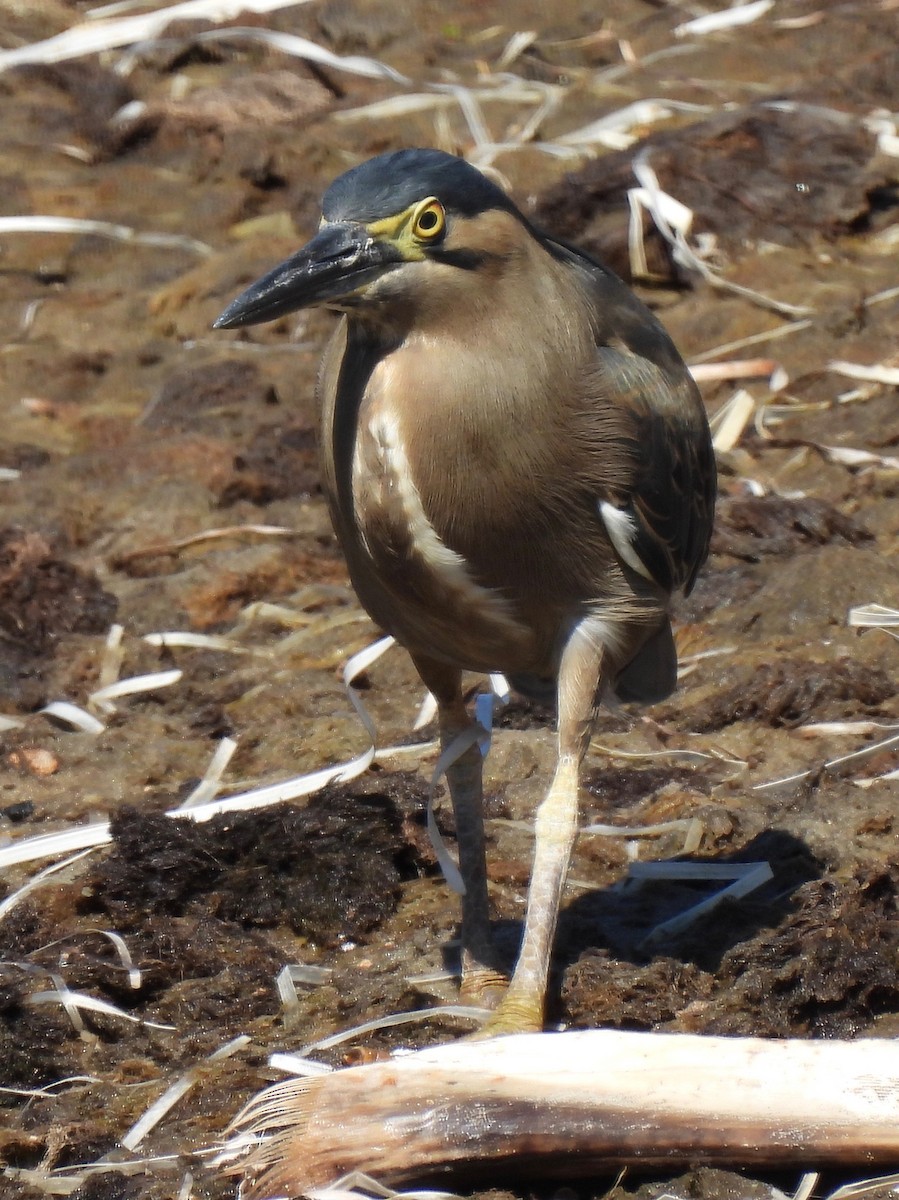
571,1104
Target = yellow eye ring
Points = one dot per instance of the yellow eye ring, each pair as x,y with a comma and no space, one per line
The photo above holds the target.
430,221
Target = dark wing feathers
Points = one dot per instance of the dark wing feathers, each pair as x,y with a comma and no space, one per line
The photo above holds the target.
672,497
673,493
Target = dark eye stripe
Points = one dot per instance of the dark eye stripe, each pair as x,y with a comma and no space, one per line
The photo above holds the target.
468,260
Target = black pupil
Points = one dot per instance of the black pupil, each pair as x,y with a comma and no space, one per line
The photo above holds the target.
428,221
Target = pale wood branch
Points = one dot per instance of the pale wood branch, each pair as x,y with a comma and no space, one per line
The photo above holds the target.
567,1105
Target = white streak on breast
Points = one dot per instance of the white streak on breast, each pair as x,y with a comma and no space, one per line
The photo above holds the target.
444,563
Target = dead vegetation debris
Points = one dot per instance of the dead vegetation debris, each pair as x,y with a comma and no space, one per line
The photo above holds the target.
704,1183
80,99
330,871
621,919
792,691
824,969
195,395
520,713
353,28
44,596
827,971
718,587
216,601
32,1044
751,527
258,99
616,788
600,991
278,462
22,456
764,173
109,1185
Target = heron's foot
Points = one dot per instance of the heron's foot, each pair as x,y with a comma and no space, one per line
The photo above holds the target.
515,1014
483,987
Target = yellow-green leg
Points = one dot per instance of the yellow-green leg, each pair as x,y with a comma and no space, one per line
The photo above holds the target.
522,1008
483,983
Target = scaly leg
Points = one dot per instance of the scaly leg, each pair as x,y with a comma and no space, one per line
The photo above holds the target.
521,1010
483,983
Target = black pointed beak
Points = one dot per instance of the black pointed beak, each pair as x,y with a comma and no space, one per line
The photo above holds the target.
339,260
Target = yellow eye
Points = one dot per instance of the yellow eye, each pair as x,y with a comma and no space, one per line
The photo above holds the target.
430,221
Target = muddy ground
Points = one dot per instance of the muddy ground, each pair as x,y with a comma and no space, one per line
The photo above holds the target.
129,429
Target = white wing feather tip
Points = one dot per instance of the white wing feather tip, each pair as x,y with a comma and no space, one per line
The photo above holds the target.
621,526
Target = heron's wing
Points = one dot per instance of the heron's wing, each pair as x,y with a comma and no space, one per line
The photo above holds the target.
662,521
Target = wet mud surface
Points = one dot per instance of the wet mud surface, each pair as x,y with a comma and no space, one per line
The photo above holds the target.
164,478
